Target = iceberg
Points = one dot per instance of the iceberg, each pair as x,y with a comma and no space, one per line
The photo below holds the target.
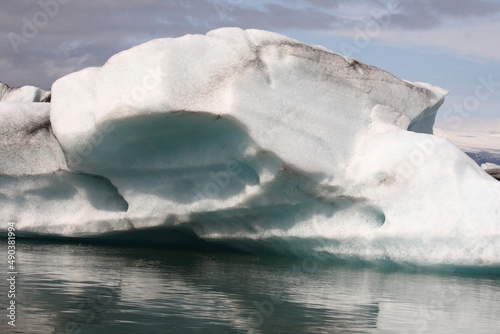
489,165
492,169
250,140
23,94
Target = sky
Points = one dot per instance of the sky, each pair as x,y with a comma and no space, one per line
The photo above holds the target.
453,44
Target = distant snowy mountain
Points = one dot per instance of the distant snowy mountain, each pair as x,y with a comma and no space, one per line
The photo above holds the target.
478,137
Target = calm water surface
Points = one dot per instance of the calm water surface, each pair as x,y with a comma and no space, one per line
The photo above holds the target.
71,288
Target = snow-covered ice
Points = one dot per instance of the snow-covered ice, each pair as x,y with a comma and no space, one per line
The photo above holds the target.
23,94
256,141
489,165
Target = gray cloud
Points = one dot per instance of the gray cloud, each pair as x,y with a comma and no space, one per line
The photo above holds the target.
279,17
325,3
86,33
428,14
464,8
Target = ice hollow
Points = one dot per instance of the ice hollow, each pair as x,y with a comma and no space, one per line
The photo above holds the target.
253,140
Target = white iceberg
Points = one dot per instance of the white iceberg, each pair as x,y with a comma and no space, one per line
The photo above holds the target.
23,94
259,142
489,165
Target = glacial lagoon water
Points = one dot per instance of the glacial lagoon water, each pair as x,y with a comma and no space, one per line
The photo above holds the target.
81,288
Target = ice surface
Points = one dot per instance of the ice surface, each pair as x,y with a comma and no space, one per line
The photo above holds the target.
62,203
256,141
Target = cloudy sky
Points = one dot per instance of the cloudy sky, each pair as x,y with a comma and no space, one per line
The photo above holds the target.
449,43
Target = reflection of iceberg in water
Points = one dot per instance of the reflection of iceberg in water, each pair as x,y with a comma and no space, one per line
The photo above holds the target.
136,290
259,143
182,292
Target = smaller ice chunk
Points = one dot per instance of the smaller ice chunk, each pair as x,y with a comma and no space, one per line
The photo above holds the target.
23,94
489,165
